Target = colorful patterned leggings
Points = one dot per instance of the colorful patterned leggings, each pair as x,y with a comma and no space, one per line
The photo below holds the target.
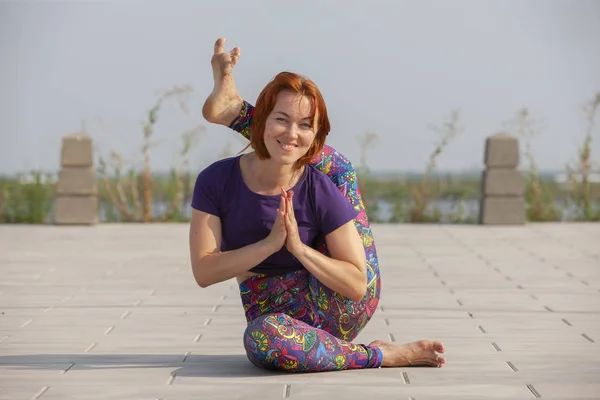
295,323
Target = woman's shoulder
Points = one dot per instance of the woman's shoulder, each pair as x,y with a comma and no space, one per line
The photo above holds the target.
220,168
331,207
212,185
217,176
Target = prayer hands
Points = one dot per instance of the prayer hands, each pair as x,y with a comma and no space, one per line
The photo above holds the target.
292,241
285,228
277,236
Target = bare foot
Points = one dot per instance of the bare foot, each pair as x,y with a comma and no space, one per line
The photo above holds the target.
421,353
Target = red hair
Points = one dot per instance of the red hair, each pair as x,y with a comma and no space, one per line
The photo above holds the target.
266,102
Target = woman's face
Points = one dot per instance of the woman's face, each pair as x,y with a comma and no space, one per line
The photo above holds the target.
289,130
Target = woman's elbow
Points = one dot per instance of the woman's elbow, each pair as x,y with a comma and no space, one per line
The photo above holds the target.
203,283
200,275
360,290
358,293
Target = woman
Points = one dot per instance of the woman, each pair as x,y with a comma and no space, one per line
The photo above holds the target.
303,306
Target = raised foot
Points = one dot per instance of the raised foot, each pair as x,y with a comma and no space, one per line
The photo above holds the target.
420,353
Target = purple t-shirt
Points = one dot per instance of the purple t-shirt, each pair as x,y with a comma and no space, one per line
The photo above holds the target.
247,217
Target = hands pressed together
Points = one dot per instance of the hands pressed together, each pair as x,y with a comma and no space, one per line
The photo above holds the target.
221,106
285,228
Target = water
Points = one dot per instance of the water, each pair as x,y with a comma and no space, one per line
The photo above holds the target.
450,210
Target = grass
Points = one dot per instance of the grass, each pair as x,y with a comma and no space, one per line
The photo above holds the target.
131,195
539,196
579,173
417,200
420,210
26,199
127,194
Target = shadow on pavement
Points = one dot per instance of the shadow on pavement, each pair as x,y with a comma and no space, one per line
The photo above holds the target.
194,365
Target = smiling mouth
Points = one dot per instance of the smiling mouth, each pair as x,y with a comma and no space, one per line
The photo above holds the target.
287,146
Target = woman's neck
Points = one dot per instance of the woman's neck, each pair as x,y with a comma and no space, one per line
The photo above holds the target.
268,177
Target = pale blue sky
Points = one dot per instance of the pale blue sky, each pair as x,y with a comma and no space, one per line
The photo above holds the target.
392,67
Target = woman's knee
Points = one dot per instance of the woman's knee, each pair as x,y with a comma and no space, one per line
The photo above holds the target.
260,335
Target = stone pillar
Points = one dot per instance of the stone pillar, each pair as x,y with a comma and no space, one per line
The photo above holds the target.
77,198
502,201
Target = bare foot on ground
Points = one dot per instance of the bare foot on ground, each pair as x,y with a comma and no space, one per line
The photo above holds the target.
421,353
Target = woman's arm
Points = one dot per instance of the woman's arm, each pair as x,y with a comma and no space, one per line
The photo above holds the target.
210,265
344,271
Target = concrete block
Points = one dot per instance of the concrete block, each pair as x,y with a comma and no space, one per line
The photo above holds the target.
76,151
76,210
503,211
501,151
76,181
502,182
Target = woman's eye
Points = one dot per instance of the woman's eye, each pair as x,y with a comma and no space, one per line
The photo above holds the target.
306,126
280,119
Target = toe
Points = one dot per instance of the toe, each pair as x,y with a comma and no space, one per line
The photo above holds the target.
438,346
433,362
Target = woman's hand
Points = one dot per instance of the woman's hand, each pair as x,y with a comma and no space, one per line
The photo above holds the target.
292,242
277,236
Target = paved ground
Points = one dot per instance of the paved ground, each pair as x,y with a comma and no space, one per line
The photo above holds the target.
112,312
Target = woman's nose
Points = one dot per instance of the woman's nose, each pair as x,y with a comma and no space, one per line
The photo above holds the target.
292,130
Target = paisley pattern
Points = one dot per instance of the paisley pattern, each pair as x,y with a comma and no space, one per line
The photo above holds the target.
295,323
290,329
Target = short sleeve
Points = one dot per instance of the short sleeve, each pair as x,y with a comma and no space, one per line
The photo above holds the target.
206,192
333,209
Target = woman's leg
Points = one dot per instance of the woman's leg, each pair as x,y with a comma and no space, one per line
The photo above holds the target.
280,342
330,312
281,332
345,318
340,316
337,314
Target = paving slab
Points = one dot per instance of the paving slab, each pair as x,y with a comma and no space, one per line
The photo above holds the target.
112,312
